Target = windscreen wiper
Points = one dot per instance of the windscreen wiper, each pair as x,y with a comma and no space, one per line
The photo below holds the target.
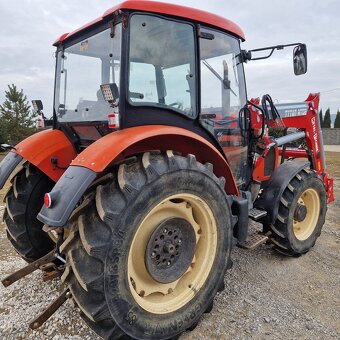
210,68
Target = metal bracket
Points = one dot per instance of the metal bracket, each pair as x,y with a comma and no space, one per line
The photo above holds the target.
51,271
30,268
50,310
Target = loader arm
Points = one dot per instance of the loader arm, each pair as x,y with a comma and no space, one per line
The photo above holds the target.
310,124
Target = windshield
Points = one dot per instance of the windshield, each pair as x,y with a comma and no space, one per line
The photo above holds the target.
81,69
162,64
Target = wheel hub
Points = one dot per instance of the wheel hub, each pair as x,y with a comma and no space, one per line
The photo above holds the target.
300,212
170,250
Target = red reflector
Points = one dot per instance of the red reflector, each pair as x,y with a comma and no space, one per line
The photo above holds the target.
113,119
47,200
40,123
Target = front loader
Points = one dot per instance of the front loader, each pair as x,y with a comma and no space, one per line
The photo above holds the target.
154,165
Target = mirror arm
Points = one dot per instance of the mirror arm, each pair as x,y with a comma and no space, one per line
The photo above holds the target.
247,55
265,57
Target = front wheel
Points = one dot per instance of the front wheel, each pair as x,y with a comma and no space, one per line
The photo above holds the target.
152,249
301,215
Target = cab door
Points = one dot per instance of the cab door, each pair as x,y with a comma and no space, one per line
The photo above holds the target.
223,97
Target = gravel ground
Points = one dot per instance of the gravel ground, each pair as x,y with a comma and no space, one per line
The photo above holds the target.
332,148
267,296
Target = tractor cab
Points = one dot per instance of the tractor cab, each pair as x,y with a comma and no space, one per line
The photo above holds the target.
167,71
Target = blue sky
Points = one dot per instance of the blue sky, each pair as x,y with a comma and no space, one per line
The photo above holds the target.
29,27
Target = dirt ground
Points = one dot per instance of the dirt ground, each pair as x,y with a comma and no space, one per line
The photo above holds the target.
267,296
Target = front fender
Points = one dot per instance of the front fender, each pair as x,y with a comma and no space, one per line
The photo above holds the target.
115,147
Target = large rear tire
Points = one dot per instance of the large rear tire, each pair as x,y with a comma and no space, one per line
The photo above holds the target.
301,215
23,202
148,253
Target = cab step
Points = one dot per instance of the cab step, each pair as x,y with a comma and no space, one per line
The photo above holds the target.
253,241
256,214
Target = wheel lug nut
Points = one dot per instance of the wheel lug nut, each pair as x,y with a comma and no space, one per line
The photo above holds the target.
165,231
169,263
179,241
153,254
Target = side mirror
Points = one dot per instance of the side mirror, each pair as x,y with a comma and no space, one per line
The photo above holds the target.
300,59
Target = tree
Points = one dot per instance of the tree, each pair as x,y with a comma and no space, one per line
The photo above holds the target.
327,119
321,118
337,120
17,121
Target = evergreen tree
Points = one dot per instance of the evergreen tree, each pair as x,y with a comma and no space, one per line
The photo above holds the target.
337,120
17,121
327,119
321,118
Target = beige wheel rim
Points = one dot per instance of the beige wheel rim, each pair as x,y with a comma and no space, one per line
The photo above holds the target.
161,298
304,229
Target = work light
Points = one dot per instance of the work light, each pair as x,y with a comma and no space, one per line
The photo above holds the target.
37,105
110,93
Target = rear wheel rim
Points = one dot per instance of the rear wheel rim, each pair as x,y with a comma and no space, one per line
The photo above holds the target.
311,200
161,298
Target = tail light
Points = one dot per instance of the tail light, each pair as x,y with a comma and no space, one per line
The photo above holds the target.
40,123
113,120
50,198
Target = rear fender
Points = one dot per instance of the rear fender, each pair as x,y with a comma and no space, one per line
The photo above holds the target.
119,145
39,148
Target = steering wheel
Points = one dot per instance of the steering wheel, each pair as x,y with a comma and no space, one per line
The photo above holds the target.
178,104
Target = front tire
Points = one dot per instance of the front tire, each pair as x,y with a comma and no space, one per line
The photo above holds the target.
301,215
159,214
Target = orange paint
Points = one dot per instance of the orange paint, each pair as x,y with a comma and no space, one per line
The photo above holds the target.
123,143
40,147
163,8
259,168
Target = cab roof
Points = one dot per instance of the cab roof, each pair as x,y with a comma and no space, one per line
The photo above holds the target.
167,9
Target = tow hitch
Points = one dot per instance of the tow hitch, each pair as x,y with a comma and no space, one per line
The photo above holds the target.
50,310
30,268
50,271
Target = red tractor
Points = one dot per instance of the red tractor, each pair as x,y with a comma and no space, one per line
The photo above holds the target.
155,163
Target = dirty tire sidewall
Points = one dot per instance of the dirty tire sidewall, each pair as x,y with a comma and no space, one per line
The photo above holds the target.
131,318
283,236
24,229
302,246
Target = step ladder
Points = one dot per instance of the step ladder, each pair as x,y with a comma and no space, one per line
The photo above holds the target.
253,241
256,214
